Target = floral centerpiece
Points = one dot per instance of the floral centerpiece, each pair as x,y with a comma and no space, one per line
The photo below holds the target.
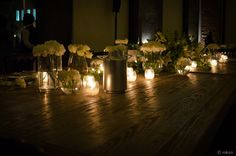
152,52
183,65
97,68
79,53
70,81
49,59
116,52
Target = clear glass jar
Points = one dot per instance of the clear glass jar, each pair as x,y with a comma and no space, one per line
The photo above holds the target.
79,63
48,68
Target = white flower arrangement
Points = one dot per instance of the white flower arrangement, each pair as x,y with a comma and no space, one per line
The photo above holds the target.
80,50
119,41
116,52
115,48
51,47
69,78
152,47
182,62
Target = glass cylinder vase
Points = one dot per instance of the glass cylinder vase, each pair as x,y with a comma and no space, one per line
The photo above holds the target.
78,62
48,68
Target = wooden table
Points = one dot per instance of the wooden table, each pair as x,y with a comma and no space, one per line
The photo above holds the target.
170,115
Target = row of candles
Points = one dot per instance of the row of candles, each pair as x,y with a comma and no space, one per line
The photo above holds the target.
89,81
91,86
222,58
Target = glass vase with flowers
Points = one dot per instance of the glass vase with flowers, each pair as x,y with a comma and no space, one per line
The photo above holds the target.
79,53
152,52
49,62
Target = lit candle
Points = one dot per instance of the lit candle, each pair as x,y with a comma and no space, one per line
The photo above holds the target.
131,74
88,80
149,73
101,67
193,66
90,85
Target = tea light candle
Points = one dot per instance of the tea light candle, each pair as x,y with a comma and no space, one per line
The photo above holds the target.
88,80
93,88
194,64
90,85
101,67
149,74
131,74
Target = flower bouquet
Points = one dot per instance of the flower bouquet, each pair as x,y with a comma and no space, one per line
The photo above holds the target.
70,81
78,55
183,65
49,62
152,52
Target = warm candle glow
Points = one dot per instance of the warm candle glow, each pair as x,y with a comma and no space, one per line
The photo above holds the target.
88,80
194,64
91,86
149,73
131,74
101,67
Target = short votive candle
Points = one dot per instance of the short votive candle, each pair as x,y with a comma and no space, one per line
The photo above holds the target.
149,74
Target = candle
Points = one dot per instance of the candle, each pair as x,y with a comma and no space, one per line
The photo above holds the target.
131,74
149,73
88,80
194,64
90,85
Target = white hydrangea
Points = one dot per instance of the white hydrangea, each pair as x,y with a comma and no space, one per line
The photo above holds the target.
51,47
153,46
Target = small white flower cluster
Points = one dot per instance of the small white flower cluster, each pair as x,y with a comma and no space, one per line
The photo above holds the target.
116,48
153,46
81,50
51,47
116,52
119,41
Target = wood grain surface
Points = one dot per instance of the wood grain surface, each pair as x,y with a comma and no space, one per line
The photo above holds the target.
167,116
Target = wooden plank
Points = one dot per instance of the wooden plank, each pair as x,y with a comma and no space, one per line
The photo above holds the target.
165,116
